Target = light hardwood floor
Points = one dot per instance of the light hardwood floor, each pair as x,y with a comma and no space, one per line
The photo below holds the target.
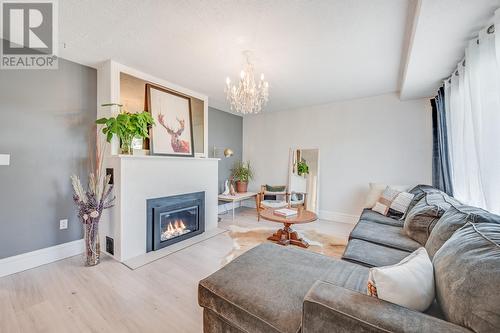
159,297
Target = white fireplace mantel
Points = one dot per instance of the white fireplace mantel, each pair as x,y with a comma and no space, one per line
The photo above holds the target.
138,178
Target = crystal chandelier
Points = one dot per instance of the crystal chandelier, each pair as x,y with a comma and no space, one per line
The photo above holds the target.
249,96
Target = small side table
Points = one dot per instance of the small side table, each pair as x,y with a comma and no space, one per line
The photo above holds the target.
287,235
236,198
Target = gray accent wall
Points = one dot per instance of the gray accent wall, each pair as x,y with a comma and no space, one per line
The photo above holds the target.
46,125
225,130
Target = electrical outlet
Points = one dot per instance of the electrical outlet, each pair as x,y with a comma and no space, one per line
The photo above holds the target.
63,224
109,172
4,159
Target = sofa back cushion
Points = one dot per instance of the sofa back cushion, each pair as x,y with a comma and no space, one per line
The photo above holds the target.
420,220
419,192
455,218
467,277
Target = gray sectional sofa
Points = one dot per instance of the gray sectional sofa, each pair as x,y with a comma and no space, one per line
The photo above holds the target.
271,288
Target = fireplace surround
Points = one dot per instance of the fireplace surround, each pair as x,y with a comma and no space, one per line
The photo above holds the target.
138,178
173,219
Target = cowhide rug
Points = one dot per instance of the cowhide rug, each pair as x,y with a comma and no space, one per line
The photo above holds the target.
245,238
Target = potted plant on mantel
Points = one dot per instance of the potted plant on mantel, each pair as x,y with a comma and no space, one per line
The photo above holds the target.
126,126
242,173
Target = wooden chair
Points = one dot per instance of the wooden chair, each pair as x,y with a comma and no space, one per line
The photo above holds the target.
272,197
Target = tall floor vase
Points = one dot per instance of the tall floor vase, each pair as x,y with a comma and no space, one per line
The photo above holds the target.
92,245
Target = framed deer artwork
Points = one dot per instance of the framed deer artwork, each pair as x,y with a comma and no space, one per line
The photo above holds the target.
172,134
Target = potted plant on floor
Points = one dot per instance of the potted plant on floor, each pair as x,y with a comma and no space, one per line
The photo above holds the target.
242,173
126,126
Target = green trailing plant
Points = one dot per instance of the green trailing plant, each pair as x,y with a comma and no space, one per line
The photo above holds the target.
242,171
302,168
126,126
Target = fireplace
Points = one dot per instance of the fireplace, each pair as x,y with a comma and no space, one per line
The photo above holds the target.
174,219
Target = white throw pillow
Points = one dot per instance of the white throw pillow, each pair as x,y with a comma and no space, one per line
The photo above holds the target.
409,283
401,203
376,190
393,202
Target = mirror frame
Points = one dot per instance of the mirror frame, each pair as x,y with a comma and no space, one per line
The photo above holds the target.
290,170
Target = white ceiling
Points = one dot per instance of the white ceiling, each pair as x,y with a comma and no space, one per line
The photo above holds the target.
312,52
440,35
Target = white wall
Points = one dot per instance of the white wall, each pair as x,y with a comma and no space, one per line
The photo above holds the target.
375,139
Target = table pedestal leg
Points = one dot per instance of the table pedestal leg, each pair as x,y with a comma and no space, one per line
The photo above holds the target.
287,236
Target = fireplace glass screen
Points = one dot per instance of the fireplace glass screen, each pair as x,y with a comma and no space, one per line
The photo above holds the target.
174,219
178,222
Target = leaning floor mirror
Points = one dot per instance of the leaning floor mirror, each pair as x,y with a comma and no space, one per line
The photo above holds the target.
303,178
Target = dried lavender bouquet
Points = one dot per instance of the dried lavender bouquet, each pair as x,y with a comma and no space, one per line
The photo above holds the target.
91,202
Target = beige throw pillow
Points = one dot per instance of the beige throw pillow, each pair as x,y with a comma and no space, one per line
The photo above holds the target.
399,206
409,283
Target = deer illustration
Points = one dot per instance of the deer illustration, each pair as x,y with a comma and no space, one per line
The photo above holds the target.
178,145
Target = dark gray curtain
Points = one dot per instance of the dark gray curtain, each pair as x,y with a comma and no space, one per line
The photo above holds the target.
441,172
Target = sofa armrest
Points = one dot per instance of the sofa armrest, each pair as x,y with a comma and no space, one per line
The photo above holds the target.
330,308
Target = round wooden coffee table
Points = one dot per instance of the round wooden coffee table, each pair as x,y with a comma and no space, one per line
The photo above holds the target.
287,235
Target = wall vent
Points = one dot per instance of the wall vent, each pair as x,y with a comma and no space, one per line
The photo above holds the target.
110,245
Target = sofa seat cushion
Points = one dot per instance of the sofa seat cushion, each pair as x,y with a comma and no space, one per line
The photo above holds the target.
372,216
372,255
467,276
384,234
454,219
347,275
263,289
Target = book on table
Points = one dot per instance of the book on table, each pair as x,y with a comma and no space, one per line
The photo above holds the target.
285,212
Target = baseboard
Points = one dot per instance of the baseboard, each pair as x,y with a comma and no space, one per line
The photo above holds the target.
40,257
338,217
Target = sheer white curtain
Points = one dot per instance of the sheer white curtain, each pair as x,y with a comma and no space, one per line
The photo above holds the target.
473,110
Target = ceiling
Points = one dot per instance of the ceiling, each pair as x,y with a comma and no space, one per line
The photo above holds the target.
441,30
312,52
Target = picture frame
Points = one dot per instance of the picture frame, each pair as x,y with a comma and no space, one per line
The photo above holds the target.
172,134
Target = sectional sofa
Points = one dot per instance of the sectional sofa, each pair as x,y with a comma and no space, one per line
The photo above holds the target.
271,288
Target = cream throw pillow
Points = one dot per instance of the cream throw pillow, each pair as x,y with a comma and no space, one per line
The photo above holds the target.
409,283
376,190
